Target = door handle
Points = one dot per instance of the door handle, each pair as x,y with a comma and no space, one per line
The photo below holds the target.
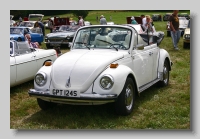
150,53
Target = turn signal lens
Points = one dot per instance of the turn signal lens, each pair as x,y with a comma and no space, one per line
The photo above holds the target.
48,63
114,65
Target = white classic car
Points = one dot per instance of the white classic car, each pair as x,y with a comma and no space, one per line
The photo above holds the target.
106,64
26,61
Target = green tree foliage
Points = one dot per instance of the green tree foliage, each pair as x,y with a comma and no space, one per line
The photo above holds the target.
82,13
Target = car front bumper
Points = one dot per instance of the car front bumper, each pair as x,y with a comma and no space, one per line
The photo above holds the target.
84,99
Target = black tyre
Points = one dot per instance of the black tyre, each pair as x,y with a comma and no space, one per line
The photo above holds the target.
19,39
45,105
184,45
165,80
125,102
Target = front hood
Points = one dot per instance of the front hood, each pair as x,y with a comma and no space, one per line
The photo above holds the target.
60,34
82,67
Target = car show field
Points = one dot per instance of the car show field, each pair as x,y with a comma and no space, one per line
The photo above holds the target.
156,107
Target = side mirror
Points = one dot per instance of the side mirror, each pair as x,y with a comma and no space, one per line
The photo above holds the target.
140,47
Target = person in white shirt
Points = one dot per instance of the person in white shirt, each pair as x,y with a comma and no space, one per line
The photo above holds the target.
81,21
31,44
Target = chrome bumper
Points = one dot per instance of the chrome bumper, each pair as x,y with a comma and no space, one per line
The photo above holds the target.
84,99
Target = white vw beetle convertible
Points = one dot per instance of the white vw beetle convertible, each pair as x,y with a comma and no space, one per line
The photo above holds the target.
106,63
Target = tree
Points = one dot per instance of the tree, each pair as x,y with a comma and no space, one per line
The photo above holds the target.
82,13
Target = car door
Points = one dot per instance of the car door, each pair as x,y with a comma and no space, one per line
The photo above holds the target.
142,63
25,63
154,55
36,35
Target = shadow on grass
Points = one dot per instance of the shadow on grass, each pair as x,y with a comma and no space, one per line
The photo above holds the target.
87,116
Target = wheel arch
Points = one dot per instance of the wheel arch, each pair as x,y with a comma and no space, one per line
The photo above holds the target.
164,55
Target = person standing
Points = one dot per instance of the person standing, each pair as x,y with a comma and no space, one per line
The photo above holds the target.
143,21
81,21
110,18
97,18
40,25
174,28
50,25
103,20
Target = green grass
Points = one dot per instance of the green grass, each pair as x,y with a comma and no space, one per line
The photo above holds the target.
156,108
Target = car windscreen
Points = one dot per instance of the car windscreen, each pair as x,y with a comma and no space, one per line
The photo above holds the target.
68,28
103,38
26,24
16,31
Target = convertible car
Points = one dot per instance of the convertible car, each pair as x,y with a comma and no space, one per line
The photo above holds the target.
17,33
105,64
61,37
26,61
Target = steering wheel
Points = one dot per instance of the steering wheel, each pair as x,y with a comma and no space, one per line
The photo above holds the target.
121,46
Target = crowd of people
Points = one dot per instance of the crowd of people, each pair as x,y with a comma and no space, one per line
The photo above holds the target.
147,25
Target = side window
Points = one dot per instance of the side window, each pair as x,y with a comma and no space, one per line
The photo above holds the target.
26,31
23,48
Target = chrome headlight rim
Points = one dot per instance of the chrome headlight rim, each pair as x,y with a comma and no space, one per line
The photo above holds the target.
109,85
40,78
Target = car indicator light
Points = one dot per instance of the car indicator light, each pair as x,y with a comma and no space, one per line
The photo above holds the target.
47,63
114,65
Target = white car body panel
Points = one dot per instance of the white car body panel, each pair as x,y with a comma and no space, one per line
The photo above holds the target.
23,67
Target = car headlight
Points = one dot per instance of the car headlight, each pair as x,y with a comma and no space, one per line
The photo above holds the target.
11,38
106,82
40,79
187,36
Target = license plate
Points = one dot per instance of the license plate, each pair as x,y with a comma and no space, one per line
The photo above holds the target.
66,93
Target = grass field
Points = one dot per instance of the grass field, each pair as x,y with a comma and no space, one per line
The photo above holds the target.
156,108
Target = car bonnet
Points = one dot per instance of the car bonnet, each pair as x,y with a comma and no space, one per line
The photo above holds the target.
82,67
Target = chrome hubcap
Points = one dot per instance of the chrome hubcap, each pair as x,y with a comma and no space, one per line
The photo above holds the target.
165,75
129,97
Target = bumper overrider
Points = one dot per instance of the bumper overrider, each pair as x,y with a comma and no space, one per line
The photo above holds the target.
87,99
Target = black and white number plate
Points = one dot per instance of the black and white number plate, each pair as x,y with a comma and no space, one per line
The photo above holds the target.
66,93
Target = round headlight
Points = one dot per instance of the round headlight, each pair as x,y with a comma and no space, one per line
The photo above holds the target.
40,79
106,82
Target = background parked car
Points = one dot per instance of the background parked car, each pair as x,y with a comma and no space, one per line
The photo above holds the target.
29,24
26,61
156,17
87,23
166,16
17,33
110,23
186,15
61,37
183,23
186,36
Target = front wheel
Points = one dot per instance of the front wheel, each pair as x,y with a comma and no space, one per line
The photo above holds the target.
165,80
45,105
125,102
